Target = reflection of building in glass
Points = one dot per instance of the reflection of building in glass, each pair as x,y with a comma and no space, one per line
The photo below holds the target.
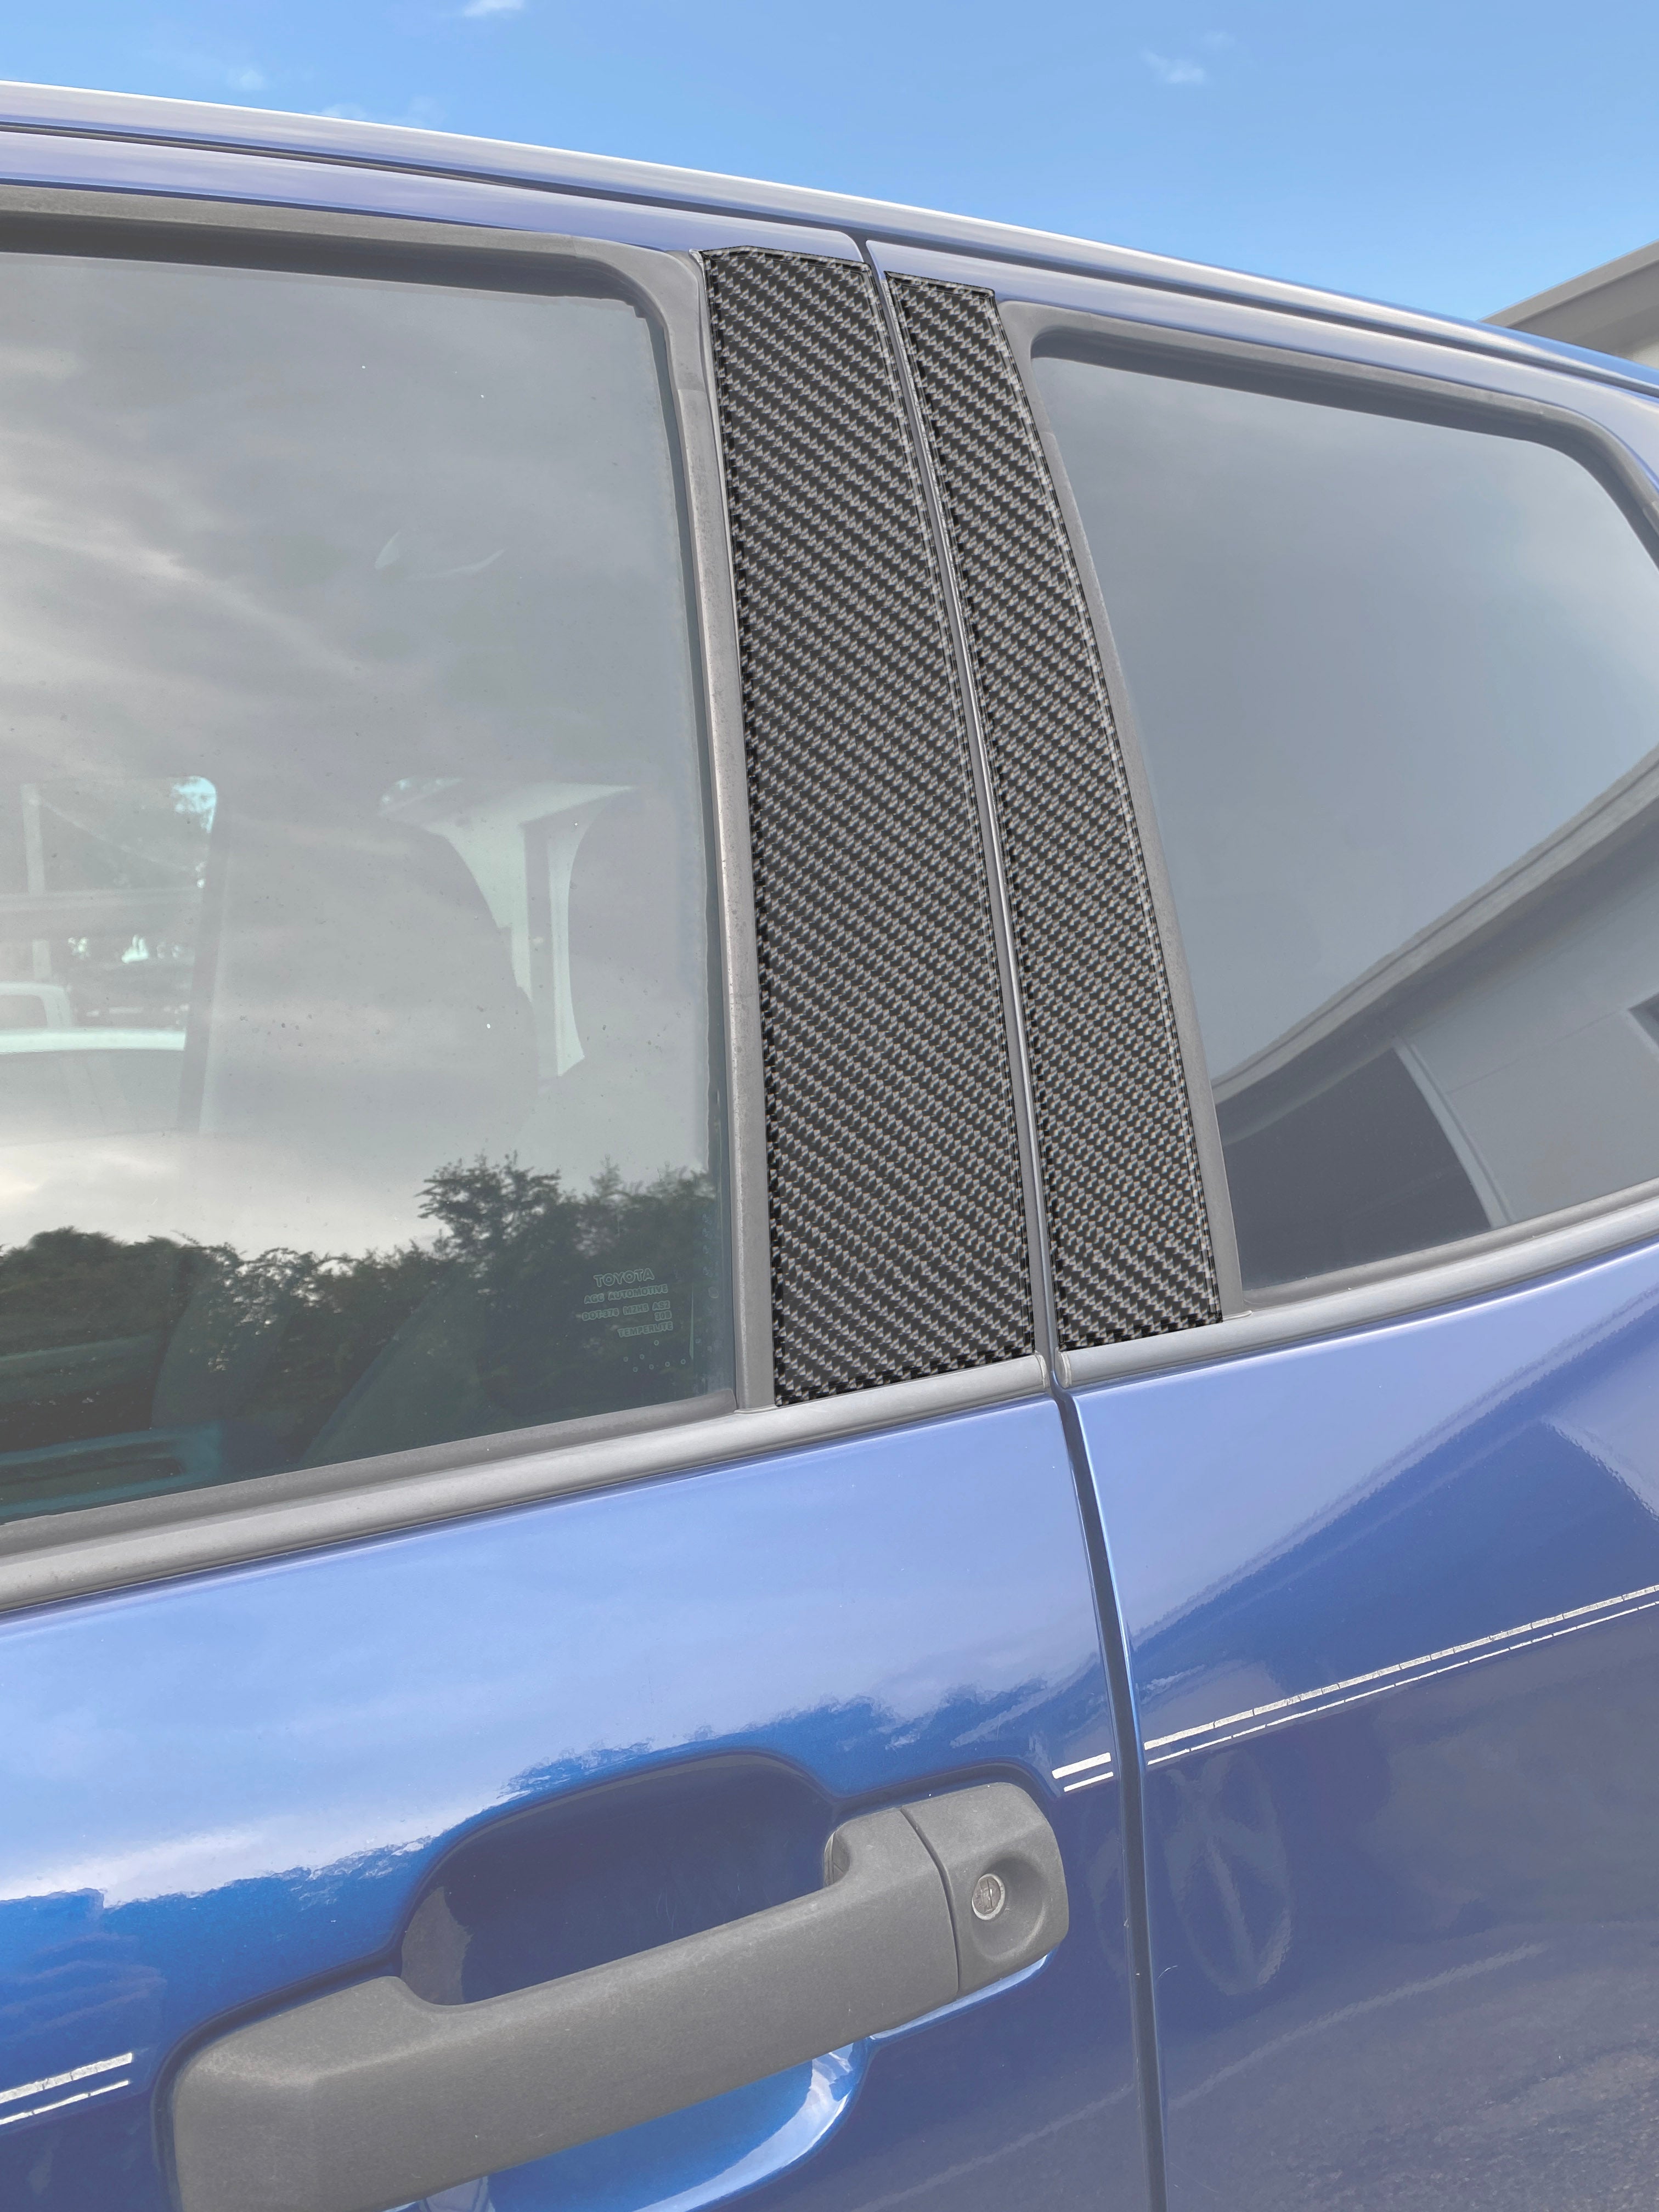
1502,1064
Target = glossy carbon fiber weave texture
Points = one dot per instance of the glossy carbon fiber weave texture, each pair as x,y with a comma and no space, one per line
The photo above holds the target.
897,1224
1129,1233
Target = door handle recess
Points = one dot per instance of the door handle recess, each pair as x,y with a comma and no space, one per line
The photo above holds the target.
370,2097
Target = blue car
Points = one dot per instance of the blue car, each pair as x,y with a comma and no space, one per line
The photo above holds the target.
829,1206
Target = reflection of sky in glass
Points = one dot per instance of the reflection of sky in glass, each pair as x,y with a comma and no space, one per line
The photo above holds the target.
1373,661
296,542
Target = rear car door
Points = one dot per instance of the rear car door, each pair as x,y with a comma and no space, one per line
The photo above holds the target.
1380,629
523,1446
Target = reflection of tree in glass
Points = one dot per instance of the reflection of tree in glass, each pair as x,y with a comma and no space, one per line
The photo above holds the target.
531,1304
84,1320
587,1302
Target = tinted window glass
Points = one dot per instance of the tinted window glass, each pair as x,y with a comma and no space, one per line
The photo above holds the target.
356,1081
1398,688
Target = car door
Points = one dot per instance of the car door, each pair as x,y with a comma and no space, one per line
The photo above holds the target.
525,1442
1377,618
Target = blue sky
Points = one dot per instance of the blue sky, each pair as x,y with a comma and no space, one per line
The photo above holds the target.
1455,157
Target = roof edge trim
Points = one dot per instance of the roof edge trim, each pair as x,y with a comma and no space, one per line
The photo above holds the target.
68,112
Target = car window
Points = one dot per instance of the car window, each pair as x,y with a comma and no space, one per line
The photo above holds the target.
357,1089
1397,684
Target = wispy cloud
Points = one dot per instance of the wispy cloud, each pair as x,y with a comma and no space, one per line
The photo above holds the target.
421,114
492,7
1175,68
213,70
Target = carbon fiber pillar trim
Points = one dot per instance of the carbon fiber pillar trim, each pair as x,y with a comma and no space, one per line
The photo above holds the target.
897,1224
1129,1237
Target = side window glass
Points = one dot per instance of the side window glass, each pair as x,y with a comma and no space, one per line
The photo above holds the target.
357,1087
1398,688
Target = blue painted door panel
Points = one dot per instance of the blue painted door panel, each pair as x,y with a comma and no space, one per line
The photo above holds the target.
1392,1604
223,1791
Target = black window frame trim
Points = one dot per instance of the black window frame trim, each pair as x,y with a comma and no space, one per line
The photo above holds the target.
1039,1258
1430,1277
1207,1133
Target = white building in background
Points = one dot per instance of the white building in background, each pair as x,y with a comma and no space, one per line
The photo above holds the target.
1614,308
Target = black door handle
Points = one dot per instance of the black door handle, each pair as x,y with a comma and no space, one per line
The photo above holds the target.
371,2096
